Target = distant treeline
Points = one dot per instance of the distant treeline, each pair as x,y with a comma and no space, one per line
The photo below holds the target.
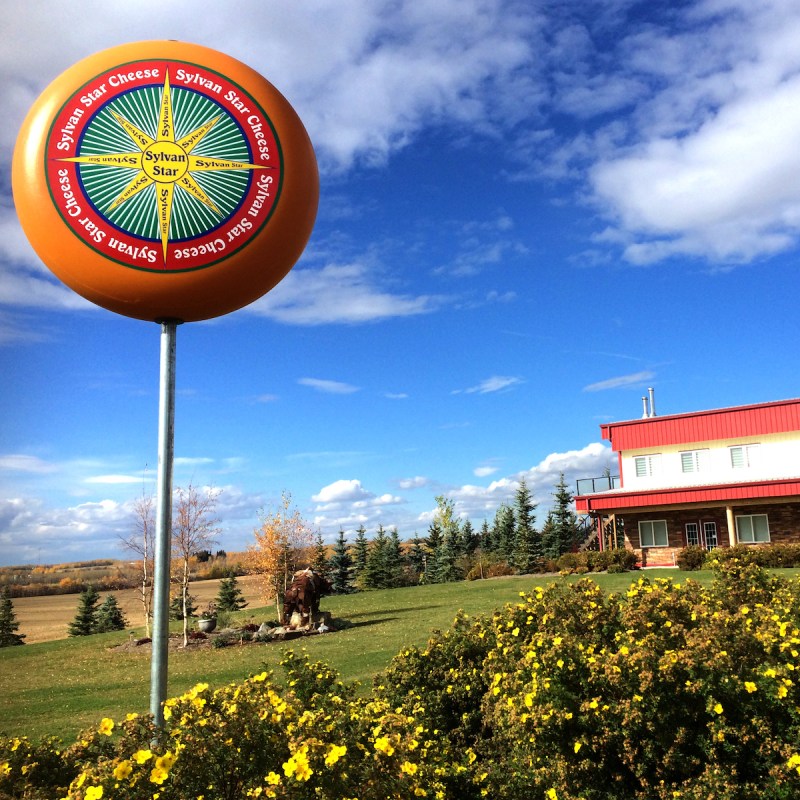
105,575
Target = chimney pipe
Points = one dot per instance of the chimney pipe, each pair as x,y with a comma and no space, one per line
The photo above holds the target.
645,411
651,392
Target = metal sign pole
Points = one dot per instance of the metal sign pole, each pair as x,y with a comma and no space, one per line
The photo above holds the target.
166,446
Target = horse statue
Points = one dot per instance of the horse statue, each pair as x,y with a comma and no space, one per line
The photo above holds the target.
304,594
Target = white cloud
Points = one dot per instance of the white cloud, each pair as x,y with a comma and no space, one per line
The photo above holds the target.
483,501
114,479
484,472
711,167
328,387
497,383
342,491
337,293
620,381
417,482
24,463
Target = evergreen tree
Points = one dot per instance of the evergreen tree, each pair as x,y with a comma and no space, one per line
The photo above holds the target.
503,533
527,555
446,568
417,557
470,539
360,555
377,574
85,619
485,537
341,566
176,606
109,617
396,560
230,597
433,543
319,559
8,622
563,531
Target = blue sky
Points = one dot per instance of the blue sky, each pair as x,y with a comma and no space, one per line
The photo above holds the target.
530,212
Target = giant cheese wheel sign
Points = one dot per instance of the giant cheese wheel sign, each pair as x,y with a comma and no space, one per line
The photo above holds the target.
164,180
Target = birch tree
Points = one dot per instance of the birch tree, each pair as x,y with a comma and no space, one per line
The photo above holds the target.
194,527
142,543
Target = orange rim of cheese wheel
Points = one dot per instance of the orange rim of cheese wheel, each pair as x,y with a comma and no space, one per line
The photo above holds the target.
165,180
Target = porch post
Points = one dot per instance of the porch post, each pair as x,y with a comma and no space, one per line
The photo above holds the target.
731,525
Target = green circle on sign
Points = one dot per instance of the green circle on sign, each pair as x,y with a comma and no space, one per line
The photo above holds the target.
202,199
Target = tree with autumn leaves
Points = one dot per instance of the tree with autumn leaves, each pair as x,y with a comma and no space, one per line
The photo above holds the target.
283,544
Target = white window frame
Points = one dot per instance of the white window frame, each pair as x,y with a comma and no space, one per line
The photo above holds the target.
746,531
652,535
745,453
651,465
693,460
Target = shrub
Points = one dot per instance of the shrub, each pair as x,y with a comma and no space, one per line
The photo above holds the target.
691,558
668,690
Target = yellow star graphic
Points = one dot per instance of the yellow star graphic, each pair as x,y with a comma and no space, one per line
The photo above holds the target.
165,162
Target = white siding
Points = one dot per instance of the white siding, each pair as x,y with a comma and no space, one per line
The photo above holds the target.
776,456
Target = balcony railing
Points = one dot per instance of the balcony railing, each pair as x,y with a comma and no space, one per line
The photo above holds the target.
596,485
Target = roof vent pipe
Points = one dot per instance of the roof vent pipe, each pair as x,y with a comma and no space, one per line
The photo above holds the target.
652,402
645,410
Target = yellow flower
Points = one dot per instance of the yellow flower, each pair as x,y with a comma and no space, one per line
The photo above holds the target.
552,794
158,775
273,779
142,756
750,687
718,708
384,745
122,770
334,754
577,746
408,768
106,726
166,761
93,793
297,765
5,768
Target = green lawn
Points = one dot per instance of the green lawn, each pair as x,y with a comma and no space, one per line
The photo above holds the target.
62,687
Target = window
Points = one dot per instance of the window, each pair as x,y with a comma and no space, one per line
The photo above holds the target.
752,528
692,460
653,533
692,534
647,465
743,456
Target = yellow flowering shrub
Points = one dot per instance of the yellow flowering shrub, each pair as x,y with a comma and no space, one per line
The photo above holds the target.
666,690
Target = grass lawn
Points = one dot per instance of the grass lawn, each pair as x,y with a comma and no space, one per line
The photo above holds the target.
61,687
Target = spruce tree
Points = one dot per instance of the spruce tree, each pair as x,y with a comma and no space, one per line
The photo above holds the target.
230,597
109,617
433,542
176,606
319,560
360,556
469,538
396,560
341,566
527,554
417,557
503,534
377,574
8,622
562,532
446,568
85,620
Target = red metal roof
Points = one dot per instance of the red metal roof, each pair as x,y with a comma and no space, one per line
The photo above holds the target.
695,495
738,422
